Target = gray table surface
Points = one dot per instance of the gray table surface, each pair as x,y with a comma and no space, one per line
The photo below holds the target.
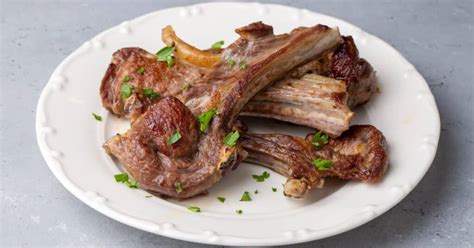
36,211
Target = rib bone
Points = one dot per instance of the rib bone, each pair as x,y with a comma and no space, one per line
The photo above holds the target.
358,154
313,100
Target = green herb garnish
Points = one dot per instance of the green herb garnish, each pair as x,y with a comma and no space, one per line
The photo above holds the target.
243,65
174,137
124,178
141,70
246,197
319,139
126,90
148,196
221,199
205,118
217,45
231,138
126,79
179,189
322,164
256,191
166,54
97,117
194,209
150,93
239,211
231,62
274,189
261,178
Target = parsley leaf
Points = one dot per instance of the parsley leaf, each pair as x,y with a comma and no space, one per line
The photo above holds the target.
274,189
243,65
205,117
150,93
322,164
231,138
221,199
126,90
148,196
256,191
126,79
217,45
319,139
246,197
261,178
194,209
231,62
174,137
121,178
124,178
97,117
166,54
141,70
239,211
179,189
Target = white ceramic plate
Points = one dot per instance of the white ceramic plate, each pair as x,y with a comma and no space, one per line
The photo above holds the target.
70,139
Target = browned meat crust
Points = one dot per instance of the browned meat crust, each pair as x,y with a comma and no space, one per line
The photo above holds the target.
358,154
188,169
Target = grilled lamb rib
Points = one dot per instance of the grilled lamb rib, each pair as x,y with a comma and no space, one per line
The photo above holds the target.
281,101
197,161
358,154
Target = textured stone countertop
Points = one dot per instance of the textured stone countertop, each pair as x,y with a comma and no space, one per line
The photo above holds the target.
35,36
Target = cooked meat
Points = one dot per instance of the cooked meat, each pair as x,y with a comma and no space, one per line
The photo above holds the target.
358,154
189,166
315,101
185,81
344,64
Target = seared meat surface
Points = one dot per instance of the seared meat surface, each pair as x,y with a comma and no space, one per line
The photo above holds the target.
192,164
358,154
318,104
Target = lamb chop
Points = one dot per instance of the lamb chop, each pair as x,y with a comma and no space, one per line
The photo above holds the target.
318,102
358,154
325,107
164,149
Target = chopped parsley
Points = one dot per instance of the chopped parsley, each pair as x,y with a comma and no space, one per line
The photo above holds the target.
239,211
126,90
231,62
141,70
217,45
179,189
124,178
194,209
246,196
243,65
150,93
148,196
205,117
166,54
221,199
174,137
97,117
231,138
261,178
319,139
256,191
322,164
274,189
126,79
